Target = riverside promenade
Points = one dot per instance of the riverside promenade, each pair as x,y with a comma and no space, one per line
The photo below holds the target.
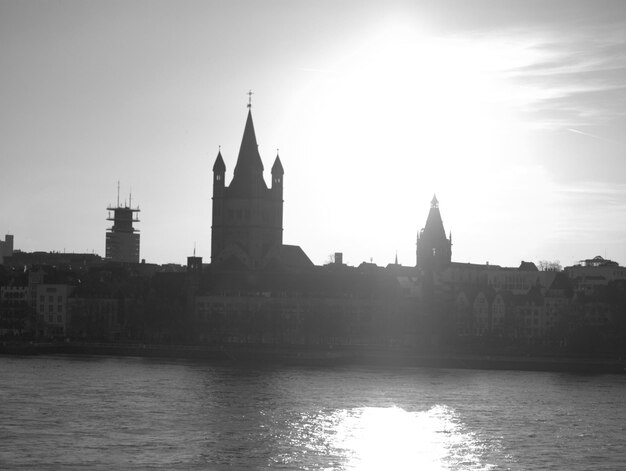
322,356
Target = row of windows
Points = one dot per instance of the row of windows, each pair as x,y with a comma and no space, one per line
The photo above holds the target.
14,295
42,298
50,308
246,214
50,318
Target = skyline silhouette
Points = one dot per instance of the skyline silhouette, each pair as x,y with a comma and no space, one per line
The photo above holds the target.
513,114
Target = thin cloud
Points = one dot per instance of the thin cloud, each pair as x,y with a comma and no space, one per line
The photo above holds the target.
572,79
577,131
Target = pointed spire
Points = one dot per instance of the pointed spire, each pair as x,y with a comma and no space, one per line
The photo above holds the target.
219,165
248,175
277,168
434,224
396,257
434,203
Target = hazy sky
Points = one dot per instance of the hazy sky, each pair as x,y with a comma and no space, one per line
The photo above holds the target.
513,113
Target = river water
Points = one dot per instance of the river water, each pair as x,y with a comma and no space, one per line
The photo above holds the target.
71,412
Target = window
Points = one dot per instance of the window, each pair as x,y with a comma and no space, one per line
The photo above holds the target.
59,318
60,298
60,308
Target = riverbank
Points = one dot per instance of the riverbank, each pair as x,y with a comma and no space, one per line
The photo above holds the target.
322,356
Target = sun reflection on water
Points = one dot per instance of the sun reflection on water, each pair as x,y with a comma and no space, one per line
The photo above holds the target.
374,438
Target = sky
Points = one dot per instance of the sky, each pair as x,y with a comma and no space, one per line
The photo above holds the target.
512,112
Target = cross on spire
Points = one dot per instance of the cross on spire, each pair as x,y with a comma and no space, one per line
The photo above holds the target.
250,99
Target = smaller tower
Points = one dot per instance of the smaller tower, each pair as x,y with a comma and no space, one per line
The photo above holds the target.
434,250
6,247
122,240
277,177
219,193
277,193
219,171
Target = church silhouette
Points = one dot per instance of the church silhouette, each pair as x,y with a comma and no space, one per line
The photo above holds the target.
247,221
247,226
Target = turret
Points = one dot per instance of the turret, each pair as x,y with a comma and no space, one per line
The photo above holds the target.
277,177
219,171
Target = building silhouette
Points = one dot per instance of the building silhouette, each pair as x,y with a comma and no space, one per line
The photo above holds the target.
6,247
122,239
434,249
247,221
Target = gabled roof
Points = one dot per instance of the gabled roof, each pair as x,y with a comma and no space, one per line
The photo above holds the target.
527,266
288,258
561,282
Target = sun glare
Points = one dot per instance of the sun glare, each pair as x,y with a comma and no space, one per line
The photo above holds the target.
392,438
442,114
401,92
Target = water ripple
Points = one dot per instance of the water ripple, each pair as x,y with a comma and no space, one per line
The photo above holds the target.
129,413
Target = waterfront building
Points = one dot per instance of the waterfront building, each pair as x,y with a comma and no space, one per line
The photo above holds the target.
247,214
122,239
357,306
591,274
14,310
93,318
51,308
481,310
521,279
507,310
76,262
35,278
6,247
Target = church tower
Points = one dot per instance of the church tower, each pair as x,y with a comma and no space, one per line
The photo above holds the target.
434,250
247,215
